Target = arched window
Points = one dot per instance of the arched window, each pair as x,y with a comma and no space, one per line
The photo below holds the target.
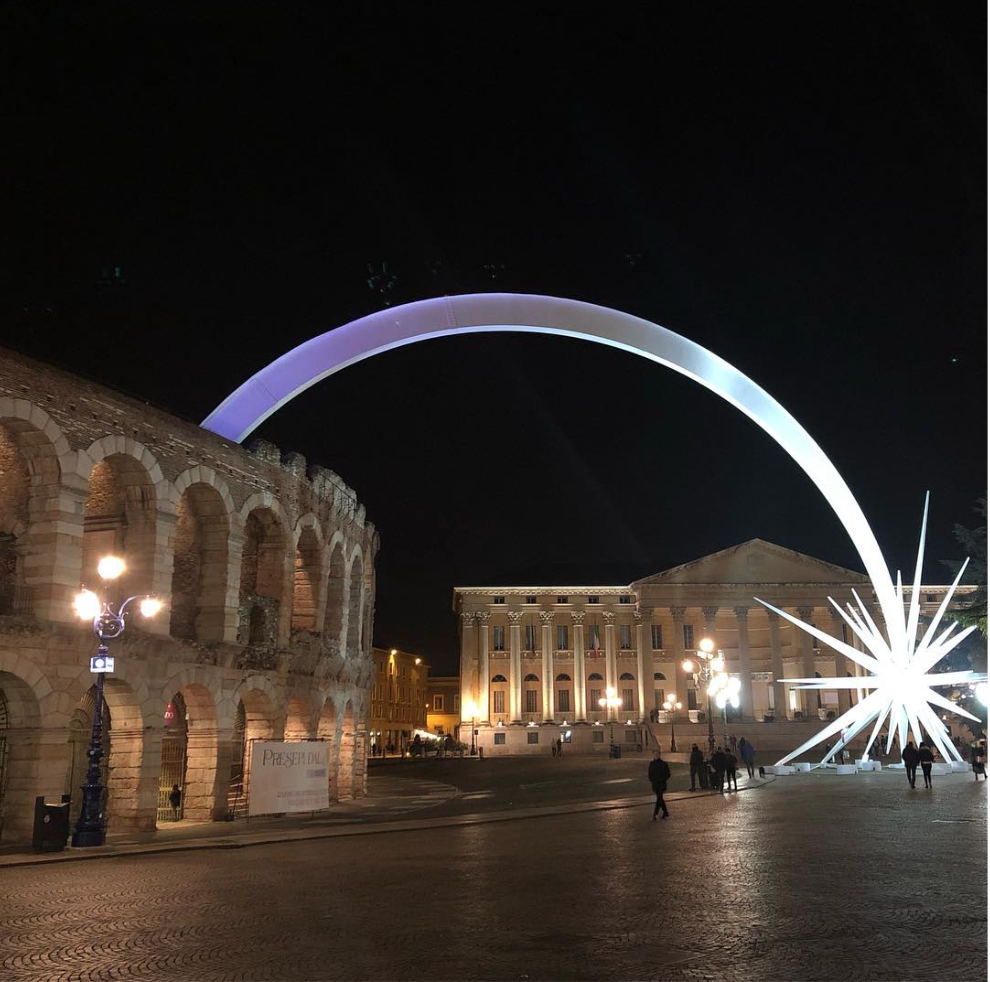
531,678
659,677
594,677
498,678
563,678
626,677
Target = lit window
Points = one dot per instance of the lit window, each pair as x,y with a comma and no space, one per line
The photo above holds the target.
530,700
498,638
498,701
561,637
563,600
498,600
627,701
530,637
438,704
656,636
531,600
689,637
499,739
625,637
531,737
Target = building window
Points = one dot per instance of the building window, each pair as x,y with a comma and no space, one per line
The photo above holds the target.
530,700
930,598
632,736
845,633
498,701
593,600
530,637
499,739
627,701
498,638
457,702
563,701
625,637
498,600
658,698
438,704
597,736
625,599
656,636
532,737
692,698
689,637
815,643
531,600
594,638
563,600
593,696
565,737
561,637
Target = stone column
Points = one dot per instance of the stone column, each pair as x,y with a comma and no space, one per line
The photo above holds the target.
809,701
515,667
711,631
611,674
644,653
546,616
677,647
469,667
580,682
53,566
777,668
484,671
745,671
842,665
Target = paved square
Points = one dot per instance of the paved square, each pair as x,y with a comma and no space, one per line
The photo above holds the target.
807,878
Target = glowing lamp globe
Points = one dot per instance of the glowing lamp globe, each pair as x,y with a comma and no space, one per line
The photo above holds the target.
150,606
87,605
110,567
687,665
706,645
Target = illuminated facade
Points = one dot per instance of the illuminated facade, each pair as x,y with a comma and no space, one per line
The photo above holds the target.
398,699
443,704
535,660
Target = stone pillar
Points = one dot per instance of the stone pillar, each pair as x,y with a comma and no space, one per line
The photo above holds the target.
777,668
515,667
469,667
484,670
745,671
611,674
644,656
580,682
809,700
677,647
546,616
842,665
53,566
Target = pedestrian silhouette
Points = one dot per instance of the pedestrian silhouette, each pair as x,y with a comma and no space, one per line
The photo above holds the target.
911,758
697,762
927,758
659,775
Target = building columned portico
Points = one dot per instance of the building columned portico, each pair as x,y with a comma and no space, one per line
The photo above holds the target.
536,660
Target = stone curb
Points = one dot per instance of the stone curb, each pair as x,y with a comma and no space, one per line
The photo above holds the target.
415,825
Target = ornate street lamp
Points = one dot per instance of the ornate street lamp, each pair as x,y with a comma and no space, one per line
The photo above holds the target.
608,702
669,707
91,829
710,663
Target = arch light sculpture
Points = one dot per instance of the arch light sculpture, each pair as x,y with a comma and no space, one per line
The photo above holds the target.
305,365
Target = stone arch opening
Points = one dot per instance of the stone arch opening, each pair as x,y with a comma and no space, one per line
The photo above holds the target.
30,477
254,719
262,578
355,593
189,755
333,617
200,565
306,581
119,518
20,757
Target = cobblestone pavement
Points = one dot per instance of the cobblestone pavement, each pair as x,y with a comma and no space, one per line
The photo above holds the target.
817,878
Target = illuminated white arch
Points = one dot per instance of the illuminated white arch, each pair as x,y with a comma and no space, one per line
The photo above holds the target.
303,366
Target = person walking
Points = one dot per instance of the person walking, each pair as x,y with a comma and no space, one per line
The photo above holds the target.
911,758
731,763
697,762
560,747
175,800
979,759
553,748
927,758
718,766
732,743
659,775
749,757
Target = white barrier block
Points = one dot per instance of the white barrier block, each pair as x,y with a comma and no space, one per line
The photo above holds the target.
845,769
960,765
779,769
941,769
802,768
865,765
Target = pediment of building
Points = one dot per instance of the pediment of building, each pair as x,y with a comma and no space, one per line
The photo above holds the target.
755,561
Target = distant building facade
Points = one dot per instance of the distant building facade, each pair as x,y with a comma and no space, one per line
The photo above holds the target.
443,704
398,699
536,660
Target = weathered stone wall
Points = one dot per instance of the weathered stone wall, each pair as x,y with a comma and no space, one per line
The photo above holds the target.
84,470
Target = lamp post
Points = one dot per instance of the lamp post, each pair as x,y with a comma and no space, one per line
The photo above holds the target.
91,828
711,671
669,707
608,702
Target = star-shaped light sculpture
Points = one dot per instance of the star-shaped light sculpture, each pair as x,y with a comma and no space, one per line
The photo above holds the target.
902,682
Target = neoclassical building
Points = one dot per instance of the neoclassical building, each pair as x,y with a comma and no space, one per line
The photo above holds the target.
536,660
267,570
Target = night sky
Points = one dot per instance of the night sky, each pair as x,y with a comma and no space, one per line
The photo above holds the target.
190,191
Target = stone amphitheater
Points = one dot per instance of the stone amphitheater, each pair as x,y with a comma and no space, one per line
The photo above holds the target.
267,570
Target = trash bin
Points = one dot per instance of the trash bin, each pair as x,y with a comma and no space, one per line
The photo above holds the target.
51,824
615,751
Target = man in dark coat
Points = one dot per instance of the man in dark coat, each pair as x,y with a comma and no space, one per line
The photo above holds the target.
911,758
659,775
697,766
718,766
926,758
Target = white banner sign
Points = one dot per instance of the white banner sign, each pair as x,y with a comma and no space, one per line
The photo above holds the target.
288,777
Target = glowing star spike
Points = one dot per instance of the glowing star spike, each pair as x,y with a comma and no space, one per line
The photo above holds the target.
903,682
